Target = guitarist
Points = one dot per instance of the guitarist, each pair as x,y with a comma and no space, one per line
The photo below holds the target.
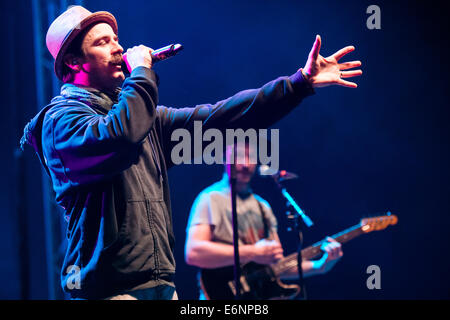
209,242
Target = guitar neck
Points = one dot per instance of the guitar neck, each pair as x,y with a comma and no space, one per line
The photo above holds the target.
314,250
341,237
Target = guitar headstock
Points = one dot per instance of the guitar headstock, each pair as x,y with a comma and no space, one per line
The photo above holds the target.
378,223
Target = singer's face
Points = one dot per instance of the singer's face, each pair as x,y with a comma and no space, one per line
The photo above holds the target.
102,57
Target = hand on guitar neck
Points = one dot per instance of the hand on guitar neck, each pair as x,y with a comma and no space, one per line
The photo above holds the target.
332,253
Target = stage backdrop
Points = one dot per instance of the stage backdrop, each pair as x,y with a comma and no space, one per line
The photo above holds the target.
358,152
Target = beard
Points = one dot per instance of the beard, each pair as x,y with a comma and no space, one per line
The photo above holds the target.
117,59
105,76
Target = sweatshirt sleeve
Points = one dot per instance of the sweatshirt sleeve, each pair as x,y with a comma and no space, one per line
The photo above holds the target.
81,145
253,108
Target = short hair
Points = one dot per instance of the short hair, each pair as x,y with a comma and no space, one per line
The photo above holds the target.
76,50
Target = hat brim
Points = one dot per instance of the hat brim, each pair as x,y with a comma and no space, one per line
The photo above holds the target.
96,17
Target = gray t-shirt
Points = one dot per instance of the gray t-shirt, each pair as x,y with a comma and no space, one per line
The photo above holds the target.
213,207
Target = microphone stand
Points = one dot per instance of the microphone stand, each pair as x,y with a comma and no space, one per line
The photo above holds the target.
296,215
237,265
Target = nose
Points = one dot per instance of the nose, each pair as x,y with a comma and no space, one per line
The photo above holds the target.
117,47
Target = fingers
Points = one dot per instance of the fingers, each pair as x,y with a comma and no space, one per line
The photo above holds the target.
349,74
336,252
349,65
276,251
277,254
347,84
278,257
140,48
274,244
339,54
268,252
333,249
270,247
138,56
268,243
316,48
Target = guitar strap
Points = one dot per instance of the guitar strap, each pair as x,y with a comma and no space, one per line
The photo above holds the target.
263,215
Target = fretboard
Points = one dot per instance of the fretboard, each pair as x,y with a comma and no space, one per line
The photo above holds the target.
314,250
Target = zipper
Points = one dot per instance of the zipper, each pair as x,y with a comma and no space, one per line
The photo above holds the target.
155,157
155,246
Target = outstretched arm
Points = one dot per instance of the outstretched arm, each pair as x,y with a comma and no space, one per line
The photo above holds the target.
260,108
322,72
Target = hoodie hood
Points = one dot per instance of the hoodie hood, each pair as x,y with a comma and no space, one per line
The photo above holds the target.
32,133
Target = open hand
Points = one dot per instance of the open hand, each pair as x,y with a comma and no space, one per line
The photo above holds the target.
322,72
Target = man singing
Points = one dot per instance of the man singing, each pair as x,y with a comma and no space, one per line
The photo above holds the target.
106,146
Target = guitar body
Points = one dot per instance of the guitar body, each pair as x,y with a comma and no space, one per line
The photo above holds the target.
260,282
257,283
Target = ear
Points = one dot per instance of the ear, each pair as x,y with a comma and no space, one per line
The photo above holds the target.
73,62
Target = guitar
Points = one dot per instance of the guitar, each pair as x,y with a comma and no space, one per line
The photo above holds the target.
262,282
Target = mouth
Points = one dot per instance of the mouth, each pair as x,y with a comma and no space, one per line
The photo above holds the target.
116,66
116,61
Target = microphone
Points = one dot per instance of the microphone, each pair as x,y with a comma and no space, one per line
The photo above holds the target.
166,52
160,54
281,175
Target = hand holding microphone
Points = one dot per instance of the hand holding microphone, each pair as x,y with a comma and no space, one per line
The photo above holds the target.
138,56
144,56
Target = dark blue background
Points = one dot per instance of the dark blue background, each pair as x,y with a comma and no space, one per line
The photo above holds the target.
382,146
